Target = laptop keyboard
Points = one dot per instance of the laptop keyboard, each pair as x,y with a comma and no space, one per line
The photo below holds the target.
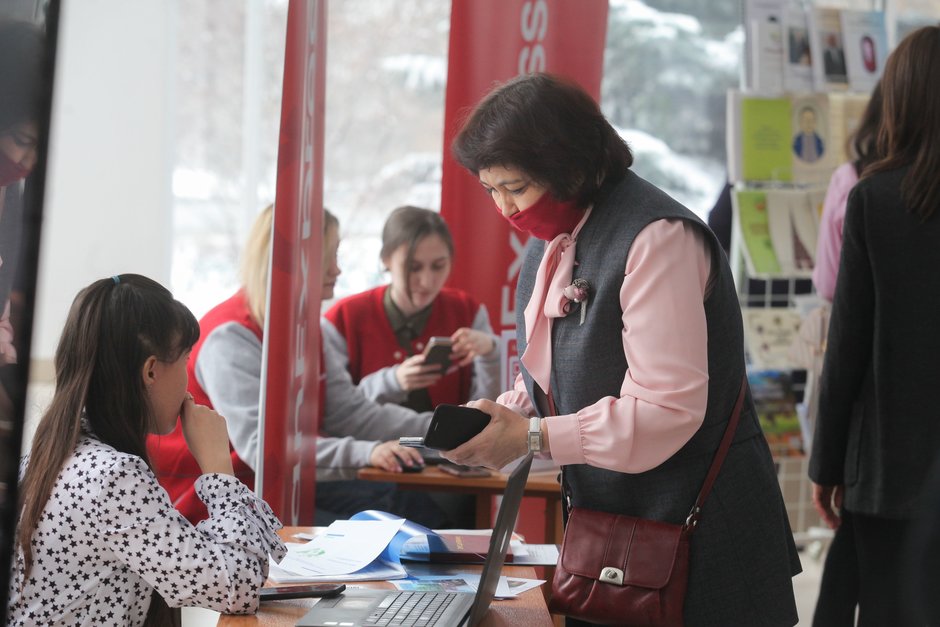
412,609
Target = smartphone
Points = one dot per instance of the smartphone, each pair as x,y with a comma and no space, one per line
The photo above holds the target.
437,352
302,592
464,471
452,425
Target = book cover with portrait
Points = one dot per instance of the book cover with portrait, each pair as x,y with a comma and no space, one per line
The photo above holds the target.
811,145
828,50
798,58
866,47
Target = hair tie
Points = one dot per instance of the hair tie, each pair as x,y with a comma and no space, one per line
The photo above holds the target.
116,279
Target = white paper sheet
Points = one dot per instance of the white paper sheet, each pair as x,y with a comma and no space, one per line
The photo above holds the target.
346,547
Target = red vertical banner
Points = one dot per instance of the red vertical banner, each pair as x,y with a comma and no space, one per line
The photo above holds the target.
291,363
492,41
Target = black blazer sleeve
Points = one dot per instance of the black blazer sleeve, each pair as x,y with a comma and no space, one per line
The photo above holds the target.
849,351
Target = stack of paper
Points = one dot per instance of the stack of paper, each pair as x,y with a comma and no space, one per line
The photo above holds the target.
349,550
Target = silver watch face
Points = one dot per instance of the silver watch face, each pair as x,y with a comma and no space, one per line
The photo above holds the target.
535,441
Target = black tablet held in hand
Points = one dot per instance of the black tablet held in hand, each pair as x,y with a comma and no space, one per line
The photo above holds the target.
452,425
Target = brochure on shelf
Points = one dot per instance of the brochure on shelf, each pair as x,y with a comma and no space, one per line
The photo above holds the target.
757,14
775,402
828,49
767,57
815,154
765,139
750,210
845,113
784,139
792,227
769,333
866,47
797,54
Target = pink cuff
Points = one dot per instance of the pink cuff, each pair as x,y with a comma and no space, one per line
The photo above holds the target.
564,439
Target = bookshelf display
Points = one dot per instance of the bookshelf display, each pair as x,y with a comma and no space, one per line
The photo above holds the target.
809,72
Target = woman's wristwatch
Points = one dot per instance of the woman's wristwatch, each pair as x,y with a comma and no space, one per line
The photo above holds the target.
535,434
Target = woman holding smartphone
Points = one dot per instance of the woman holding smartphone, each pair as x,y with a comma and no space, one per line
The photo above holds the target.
225,373
630,332
384,333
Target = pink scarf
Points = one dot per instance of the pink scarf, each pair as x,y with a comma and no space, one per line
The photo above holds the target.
548,301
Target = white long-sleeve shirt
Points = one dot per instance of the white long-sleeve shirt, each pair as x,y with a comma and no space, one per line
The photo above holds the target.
109,536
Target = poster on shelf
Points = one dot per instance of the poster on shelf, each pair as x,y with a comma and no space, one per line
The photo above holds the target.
763,68
775,403
866,47
792,226
845,114
750,210
769,335
785,139
814,152
827,49
766,48
797,53
764,141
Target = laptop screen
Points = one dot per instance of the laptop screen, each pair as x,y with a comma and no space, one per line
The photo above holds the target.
499,542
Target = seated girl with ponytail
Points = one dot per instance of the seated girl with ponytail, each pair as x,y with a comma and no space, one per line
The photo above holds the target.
97,536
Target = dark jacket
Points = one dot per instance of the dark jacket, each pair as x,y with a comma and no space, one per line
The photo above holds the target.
879,419
742,553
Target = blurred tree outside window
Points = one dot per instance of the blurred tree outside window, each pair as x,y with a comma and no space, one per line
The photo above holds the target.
667,67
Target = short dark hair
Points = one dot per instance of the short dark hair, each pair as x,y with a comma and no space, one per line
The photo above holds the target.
22,55
549,128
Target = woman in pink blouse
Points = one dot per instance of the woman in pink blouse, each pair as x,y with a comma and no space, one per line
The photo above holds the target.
632,351
863,145
98,538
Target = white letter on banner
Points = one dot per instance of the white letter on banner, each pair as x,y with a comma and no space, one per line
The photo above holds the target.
534,25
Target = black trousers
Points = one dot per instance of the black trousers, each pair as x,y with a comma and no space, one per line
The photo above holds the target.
880,577
838,590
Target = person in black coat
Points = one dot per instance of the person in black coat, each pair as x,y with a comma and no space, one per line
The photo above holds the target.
878,421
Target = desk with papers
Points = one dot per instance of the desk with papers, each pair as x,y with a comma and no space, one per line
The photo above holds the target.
526,609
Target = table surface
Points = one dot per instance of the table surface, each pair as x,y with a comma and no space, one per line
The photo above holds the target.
527,609
539,484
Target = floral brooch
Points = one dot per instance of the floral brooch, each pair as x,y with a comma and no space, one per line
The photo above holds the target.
579,292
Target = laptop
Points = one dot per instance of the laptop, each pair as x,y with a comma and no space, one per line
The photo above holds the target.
365,607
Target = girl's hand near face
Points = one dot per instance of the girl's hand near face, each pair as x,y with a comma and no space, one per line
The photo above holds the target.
470,343
207,437
502,441
413,374
390,456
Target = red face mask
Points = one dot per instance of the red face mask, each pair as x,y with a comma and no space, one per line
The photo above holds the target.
11,171
548,218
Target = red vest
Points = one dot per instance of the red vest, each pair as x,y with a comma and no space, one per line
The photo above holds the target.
372,345
174,465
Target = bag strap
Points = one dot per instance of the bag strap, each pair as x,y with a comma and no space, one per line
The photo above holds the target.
692,520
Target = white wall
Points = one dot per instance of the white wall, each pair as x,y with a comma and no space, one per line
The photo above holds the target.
108,196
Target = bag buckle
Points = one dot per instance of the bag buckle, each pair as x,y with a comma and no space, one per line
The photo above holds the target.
609,574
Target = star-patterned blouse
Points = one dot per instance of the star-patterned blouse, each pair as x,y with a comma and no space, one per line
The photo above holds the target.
109,536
